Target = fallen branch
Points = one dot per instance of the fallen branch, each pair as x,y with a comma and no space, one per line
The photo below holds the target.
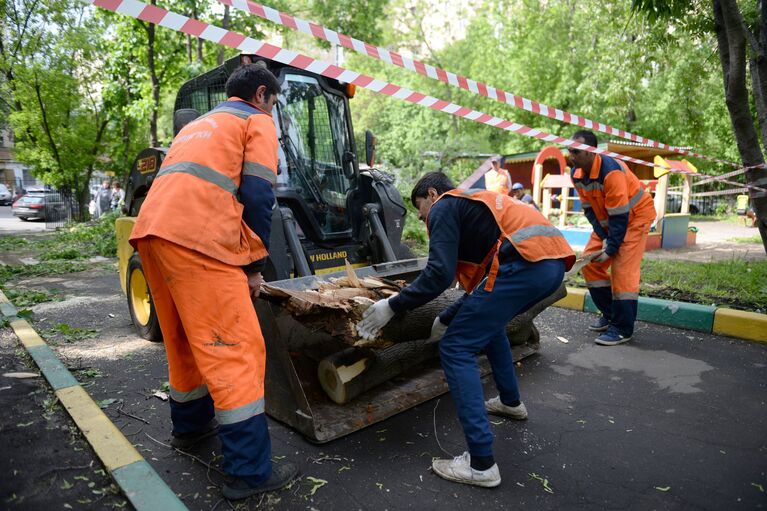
120,410
204,463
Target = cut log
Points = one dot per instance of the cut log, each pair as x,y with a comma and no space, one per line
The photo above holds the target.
349,373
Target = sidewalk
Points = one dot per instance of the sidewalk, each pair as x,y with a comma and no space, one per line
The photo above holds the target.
715,243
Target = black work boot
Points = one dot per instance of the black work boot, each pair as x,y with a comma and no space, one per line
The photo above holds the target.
282,475
184,440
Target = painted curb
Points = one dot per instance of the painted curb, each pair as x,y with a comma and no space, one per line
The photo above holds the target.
691,316
137,479
574,299
746,325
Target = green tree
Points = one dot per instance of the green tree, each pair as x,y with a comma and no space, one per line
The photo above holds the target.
50,68
741,38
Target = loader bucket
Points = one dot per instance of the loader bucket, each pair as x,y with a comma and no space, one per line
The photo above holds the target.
294,394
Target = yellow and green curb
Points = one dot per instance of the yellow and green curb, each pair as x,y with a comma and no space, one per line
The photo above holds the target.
137,479
691,316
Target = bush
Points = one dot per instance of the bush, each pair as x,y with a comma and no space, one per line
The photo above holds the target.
84,240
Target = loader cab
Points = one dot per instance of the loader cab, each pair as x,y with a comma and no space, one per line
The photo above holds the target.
318,167
329,211
317,162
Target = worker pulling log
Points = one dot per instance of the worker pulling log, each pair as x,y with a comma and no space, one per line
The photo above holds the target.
507,257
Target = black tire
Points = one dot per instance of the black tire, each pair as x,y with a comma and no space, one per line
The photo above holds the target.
140,305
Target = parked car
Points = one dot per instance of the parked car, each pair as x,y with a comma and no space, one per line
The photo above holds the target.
698,206
5,195
40,206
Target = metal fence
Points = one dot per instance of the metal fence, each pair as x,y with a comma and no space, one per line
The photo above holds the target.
61,208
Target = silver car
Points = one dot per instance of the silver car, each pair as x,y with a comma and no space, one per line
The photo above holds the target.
5,195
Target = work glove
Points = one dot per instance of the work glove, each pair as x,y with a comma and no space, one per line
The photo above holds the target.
438,330
374,319
602,257
254,284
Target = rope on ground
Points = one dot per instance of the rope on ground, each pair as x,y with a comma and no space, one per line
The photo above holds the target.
436,436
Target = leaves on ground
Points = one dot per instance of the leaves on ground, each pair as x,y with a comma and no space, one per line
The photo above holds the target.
316,484
544,482
104,403
72,333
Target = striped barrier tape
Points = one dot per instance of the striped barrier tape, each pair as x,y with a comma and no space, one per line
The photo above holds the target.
456,80
168,19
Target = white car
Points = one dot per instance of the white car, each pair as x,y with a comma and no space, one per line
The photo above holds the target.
5,195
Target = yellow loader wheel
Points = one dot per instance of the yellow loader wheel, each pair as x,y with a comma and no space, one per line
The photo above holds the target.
140,304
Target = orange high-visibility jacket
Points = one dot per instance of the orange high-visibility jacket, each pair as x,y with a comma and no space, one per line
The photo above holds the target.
612,197
531,234
193,201
498,181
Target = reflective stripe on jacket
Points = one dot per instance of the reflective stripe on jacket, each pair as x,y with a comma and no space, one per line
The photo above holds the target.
194,202
531,234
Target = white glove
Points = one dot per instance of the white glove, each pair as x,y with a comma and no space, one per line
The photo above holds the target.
374,319
438,330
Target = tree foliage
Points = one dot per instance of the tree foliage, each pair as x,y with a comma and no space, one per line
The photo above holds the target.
103,97
741,39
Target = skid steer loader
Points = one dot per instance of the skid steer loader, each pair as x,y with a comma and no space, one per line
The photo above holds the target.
329,209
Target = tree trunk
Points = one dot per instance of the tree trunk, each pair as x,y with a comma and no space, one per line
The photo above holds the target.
150,28
731,39
225,26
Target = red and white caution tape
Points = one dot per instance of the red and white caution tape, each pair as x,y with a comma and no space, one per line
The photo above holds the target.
178,22
416,66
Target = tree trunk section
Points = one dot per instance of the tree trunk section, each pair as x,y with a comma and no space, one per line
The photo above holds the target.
349,373
155,83
225,26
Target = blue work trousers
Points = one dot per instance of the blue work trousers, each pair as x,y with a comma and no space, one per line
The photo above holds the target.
480,324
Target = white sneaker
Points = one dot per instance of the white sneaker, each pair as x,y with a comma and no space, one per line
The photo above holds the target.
459,470
495,407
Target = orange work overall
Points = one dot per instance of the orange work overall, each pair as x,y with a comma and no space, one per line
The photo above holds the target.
611,190
193,241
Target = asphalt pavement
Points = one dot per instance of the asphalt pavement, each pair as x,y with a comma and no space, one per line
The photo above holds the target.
10,224
673,420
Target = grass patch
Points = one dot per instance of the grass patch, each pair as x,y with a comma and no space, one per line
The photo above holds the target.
82,241
8,273
729,218
12,242
751,239
737,284
27,297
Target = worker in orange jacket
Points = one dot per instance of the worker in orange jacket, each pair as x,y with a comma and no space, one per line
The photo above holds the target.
620,213
498,179
507,257
203,236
